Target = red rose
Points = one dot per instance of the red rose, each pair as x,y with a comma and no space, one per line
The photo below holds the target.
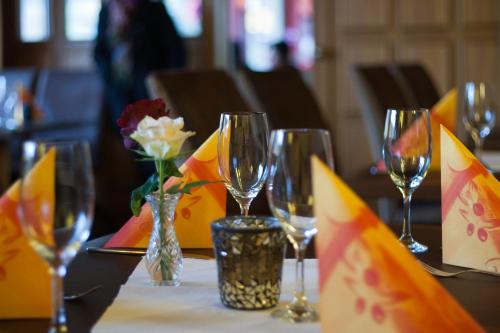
134,113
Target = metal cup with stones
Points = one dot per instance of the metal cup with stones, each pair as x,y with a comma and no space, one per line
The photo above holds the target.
249,252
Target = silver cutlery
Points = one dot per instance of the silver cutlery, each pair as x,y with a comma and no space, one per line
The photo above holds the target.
437,272
73,297
127,251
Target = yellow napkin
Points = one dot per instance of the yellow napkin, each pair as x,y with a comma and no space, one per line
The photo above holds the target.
194,212
24,276
470,208
368,281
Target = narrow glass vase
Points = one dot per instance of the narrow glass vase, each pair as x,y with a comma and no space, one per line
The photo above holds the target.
164,256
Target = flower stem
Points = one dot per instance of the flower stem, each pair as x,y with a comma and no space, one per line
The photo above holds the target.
161,176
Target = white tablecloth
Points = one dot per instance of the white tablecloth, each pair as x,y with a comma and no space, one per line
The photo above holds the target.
195,306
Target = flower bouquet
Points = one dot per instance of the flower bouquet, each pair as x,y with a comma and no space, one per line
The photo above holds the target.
154,137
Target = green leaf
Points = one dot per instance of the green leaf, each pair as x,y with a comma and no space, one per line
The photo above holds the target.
145,159
139,193
170,169
140,152
186,189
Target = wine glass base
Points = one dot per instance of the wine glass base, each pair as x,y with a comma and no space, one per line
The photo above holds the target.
412,245
296,313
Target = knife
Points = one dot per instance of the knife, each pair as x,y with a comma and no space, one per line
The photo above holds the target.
133,251
117,250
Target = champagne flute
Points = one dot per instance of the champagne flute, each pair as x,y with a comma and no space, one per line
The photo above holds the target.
242,153
57,209
479,117
407,153
290,196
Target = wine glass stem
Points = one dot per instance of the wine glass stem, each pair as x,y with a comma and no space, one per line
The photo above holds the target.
58,314
406,215
244,206
478,141
299,293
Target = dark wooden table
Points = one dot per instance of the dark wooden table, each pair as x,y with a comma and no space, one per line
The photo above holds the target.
478,293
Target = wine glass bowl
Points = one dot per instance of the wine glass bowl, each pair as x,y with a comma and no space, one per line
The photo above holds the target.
242,154
480,112
407,154
56,207
290,196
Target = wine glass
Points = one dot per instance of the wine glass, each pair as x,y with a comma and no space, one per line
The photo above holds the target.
407,153
57,209
290,195
242,153
479,117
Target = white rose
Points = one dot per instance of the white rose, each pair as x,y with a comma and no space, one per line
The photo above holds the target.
161,138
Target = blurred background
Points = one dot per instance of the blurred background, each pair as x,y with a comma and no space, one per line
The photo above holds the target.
454,41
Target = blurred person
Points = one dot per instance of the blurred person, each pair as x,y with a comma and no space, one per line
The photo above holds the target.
134,38
281,56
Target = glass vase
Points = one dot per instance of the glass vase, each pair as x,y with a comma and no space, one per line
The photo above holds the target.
163,256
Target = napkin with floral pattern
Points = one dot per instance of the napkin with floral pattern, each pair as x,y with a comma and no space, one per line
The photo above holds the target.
25,286
194,212
368,282
470,208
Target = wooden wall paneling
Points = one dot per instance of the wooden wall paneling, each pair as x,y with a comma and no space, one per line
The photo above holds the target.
363,14
478,12
420,14
353,141
353,147
359,52
436,56
480,60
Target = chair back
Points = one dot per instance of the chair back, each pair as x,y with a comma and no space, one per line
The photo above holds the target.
72,99
286,98
419,83
199,96
377,90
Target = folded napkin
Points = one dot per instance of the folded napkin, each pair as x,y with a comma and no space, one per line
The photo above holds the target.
470,208
194,212
24,275
368,281
443,113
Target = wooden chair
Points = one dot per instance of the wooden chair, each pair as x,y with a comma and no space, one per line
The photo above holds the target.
418,82
377,90
286,98
72,101
199,96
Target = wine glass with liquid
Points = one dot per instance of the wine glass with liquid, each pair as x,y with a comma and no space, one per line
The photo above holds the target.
57,205
407,154
290,196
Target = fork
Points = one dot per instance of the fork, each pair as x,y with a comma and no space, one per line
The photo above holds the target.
76,296
440,273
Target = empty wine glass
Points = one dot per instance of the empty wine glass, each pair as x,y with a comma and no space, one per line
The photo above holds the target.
57,208
479,117
242,153
407,153
290,195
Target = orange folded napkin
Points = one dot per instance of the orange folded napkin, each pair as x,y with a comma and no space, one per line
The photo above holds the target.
25,285
194,212
443,113
470,208
368,281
